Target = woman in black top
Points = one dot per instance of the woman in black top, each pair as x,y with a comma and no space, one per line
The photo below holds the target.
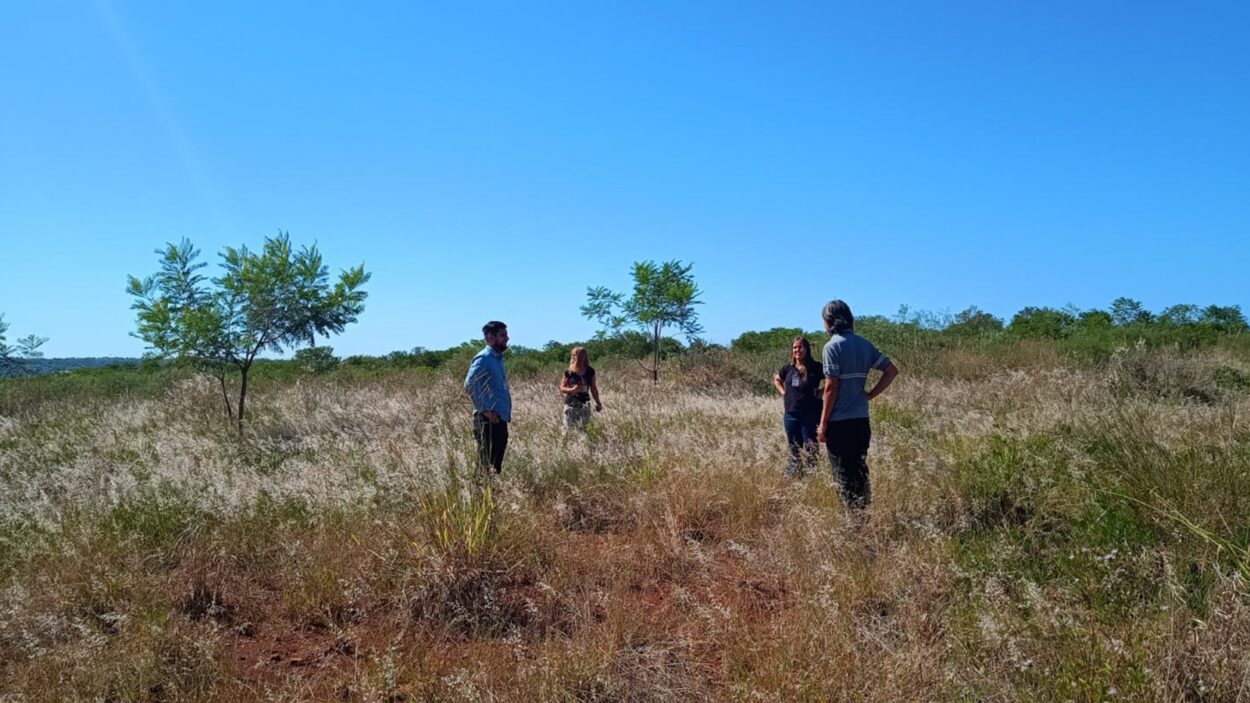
798,382
578,386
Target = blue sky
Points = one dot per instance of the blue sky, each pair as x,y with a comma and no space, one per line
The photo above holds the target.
492,160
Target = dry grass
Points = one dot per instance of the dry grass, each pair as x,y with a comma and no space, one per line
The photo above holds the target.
1040,531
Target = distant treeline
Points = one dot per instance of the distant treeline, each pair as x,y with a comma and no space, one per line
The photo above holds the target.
923,342
627,344
1090,333
1094,334
39,365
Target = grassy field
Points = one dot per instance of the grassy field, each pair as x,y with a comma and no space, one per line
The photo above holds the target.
1042,530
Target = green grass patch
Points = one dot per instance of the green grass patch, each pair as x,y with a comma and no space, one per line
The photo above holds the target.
160,520
20,540
1018,482
887,414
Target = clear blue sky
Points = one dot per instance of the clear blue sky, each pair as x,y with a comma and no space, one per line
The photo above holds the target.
492,160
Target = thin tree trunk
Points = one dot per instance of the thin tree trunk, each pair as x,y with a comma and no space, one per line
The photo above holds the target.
225,397
655,365
243,392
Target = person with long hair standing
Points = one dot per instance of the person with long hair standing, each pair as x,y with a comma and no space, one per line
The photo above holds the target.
798,382
579,384
844,428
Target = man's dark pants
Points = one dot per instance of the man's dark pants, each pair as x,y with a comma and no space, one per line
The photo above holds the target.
847,443
492,440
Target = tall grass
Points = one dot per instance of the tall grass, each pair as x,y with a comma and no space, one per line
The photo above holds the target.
1044,527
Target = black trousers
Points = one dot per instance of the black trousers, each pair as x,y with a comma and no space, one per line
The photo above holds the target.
847,443
492,440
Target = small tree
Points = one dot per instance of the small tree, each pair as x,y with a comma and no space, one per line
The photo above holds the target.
1226,319
1180,315
1046,323
974,322
1126,311
14,358
316,359
264,301
1095,320
664,296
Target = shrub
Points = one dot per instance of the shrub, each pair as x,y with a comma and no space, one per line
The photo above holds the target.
316,359
1045,323
774,341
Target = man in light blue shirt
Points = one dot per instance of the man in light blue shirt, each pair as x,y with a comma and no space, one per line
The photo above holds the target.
844,427
487,386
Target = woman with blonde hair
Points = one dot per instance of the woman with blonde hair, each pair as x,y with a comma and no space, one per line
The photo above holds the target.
578,386
798,383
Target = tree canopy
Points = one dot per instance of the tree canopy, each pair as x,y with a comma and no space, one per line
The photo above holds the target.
665,295
14,357
271,300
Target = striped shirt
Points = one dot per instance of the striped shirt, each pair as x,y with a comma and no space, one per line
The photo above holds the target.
847,357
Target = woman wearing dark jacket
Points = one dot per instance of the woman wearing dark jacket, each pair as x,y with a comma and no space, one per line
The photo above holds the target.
798,383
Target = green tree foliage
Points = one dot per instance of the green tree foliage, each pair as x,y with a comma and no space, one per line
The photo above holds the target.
316,359
1178,315
776,340
626,344
916,318
1225,319
665,295
1095,320
1126,311
1047,323
14,357
269,300
974,322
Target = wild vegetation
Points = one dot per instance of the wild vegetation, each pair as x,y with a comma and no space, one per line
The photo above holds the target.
1054,518
665,295
16,358
270,300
